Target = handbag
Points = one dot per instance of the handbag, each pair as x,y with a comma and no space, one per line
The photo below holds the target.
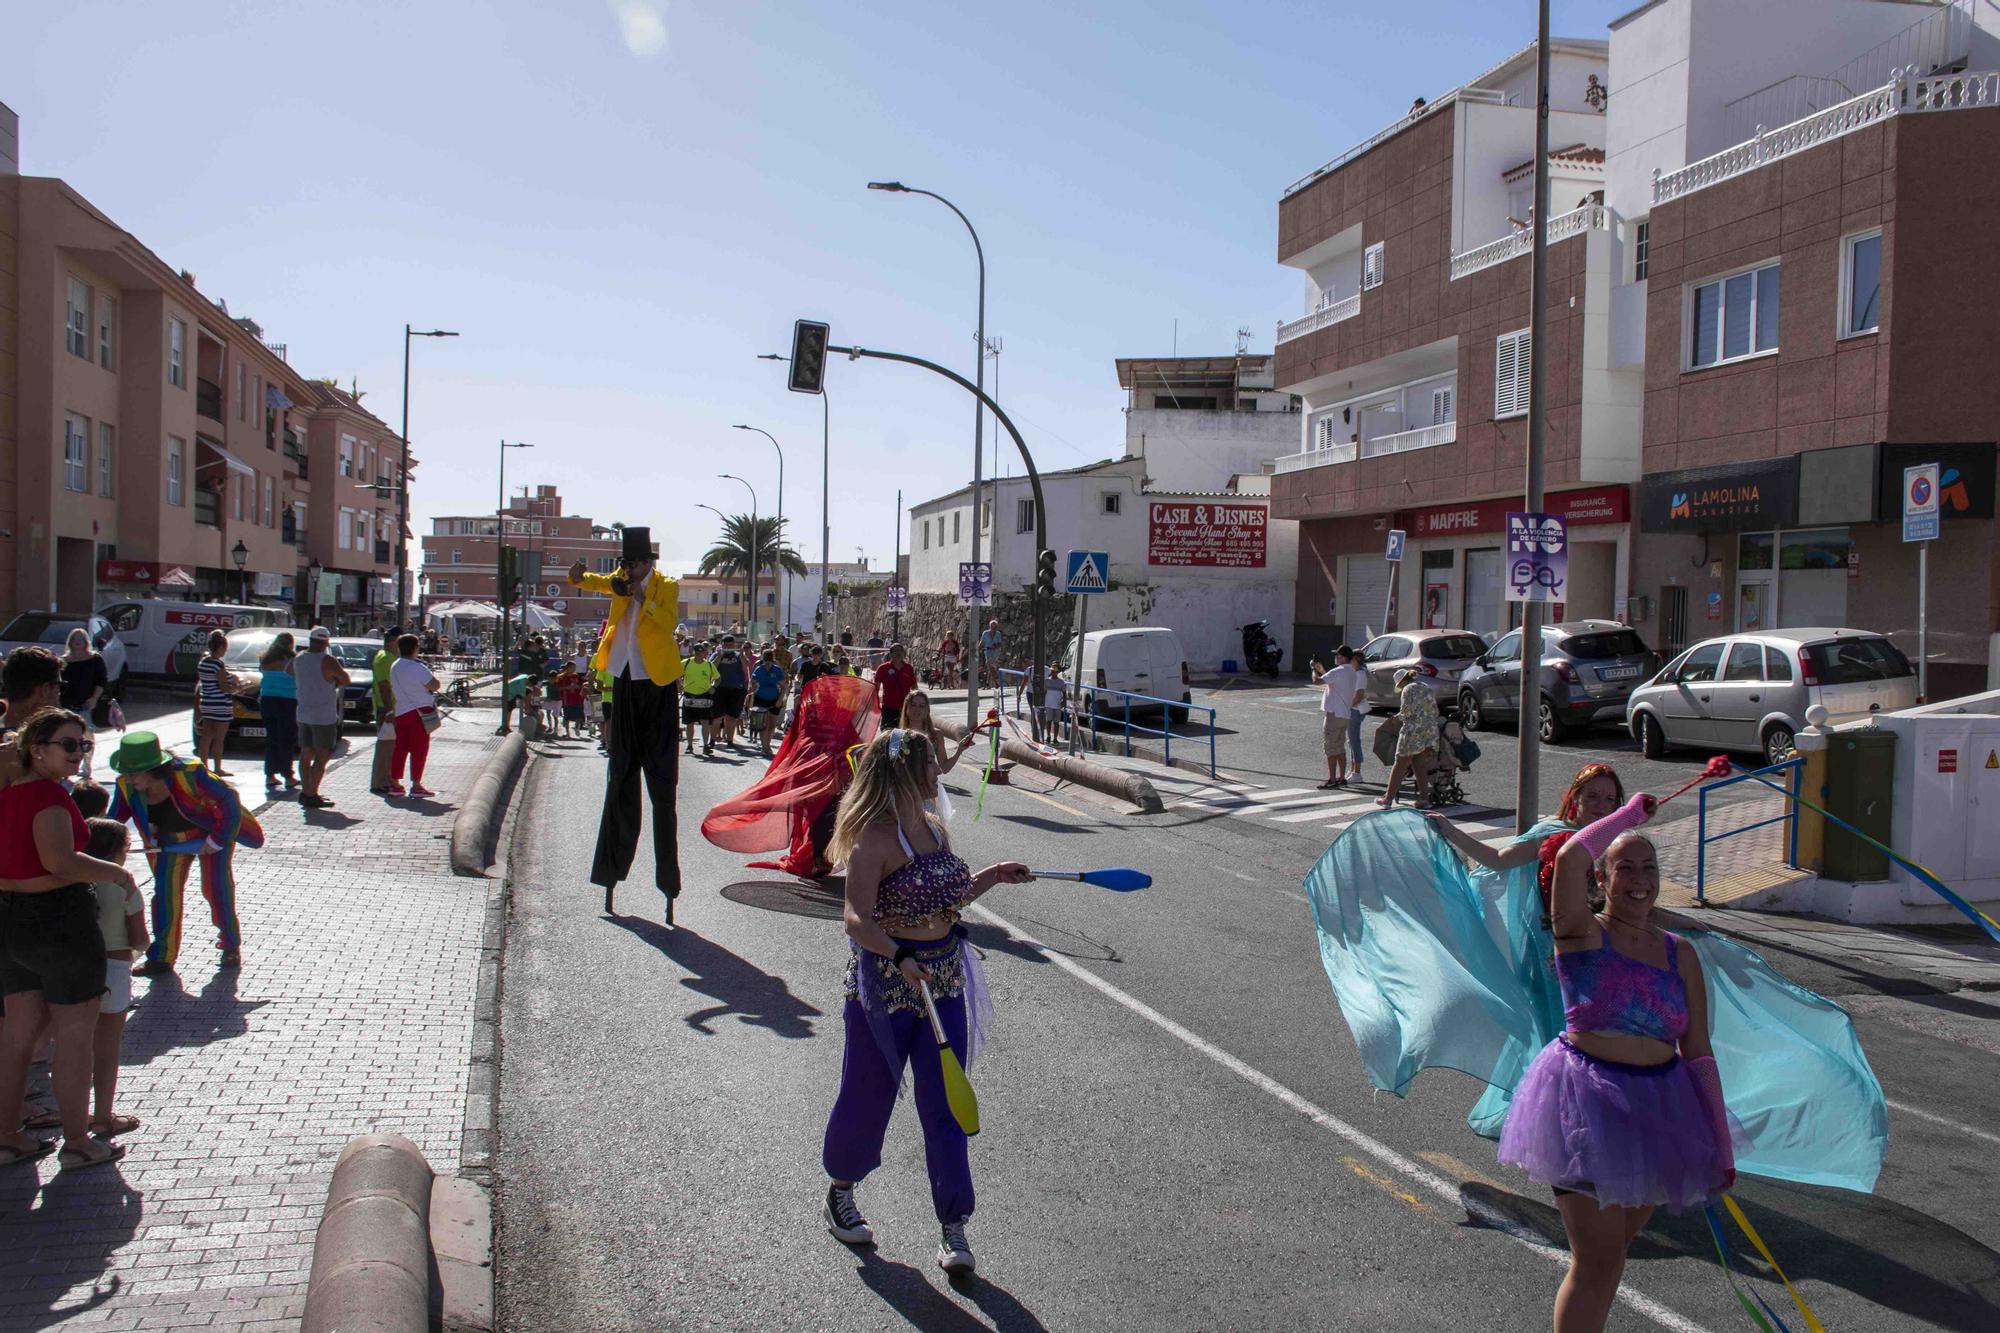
432,719
1385,739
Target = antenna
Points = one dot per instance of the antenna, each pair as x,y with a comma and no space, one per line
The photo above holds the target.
1242,340
1177,337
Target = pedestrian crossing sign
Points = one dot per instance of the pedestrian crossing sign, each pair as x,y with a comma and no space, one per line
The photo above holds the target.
1089,571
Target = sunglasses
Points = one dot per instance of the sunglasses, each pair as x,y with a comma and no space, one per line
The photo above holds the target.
71,745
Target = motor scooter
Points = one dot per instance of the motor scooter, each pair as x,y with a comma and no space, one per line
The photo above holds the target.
1260,651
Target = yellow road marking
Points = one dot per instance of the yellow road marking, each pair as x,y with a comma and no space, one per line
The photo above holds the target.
1383,1183
1068,810
1451,1166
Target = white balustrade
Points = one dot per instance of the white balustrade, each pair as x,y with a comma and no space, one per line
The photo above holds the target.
1953,92
1424,437
1590,217
1333,312
1339,453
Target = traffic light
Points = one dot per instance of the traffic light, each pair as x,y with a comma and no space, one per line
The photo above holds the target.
1045,574
808,355
510,575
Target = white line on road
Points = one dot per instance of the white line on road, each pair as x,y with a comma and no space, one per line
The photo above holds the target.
1374,1147
1937,1119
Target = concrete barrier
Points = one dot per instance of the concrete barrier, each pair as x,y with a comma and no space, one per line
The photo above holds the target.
478,820
1129,787
372,1256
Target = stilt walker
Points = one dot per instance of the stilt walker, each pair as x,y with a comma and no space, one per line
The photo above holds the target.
637,652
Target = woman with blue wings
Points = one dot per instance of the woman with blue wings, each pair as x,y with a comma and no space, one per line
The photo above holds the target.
1435,963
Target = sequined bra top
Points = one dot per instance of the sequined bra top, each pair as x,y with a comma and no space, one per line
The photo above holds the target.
926,890
1604,990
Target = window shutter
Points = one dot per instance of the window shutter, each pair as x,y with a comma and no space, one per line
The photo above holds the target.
1323,433
1371,267
1510,374
1441,406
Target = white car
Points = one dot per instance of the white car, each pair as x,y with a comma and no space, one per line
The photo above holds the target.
50,630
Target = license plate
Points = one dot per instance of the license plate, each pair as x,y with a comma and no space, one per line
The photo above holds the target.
1618,673
250,733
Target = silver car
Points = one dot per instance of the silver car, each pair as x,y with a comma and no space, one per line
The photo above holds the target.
1751,691
1438,656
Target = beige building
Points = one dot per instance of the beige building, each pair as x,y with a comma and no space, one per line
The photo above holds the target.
459,560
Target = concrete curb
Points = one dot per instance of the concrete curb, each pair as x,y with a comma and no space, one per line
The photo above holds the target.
1132,788
398,1250
472,831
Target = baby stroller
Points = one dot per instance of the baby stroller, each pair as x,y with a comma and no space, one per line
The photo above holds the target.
1455,751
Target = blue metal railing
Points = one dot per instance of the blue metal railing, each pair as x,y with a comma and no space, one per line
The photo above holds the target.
1083,705
1790,816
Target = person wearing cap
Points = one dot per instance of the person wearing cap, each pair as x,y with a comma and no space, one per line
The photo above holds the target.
637,651
1416,740
319,681
183,813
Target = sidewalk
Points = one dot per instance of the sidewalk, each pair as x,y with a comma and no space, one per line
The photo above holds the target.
353,1012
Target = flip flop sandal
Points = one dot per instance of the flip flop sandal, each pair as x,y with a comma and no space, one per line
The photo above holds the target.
72,1160
16,1156
116,1125
37,1123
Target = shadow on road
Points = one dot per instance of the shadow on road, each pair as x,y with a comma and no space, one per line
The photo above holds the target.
1042,825
169,1017
94,1212
910,1294
741,987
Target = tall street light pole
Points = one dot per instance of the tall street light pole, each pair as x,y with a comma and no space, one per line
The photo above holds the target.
785,610
499,593
978,427
1528,774
825,510
403,503
755,553
725,523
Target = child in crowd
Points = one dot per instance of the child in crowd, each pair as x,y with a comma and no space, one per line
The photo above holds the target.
121,915
532,721
569,688
92,800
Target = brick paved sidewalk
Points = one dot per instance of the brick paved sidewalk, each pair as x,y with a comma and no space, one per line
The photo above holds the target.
353,1012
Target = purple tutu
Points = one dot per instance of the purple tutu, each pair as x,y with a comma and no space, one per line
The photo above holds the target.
1627,1135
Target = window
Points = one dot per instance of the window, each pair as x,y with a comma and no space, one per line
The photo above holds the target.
236,497
1112,500
1371,267
1507,649
1856,661
105,321
242,392
177,333
105,436
1746,662
1024,515
1777,666
1511,354
986,515
1733,317
1861,284
1325,432
76,453
1642,250
1443,405
347,455
270,503
457,555
344,530
176,448
927,534
76,320
956,514
1699,665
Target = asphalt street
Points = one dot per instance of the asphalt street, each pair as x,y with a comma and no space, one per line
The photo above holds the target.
1177,1131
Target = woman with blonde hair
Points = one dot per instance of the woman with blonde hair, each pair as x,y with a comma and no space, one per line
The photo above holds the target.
905,891
917,717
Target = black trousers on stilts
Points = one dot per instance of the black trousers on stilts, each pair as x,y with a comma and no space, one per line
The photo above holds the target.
645,735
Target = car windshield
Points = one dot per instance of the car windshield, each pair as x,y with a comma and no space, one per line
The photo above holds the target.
247,649
39,627
1607,643
353,654
1857,661
1453,647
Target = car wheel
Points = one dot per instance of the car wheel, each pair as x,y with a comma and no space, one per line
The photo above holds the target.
1468,711
1178,713
1550,727
1652,741
1778,745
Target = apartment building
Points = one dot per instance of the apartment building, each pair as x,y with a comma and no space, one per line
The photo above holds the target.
359,468
460,560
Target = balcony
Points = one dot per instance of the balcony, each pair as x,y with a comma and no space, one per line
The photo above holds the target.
1329,313
1591,217
1424,437
207,508
1339,453
381,553
208,399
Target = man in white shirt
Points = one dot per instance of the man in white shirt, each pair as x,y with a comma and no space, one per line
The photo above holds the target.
1340,715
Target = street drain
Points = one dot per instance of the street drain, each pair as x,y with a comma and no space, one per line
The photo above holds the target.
783,895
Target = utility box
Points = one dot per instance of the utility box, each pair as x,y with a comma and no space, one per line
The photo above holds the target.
1860,780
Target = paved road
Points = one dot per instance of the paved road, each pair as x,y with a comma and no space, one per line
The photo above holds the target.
1178,1135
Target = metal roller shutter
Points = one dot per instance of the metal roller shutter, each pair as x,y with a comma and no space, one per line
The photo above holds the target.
1364,593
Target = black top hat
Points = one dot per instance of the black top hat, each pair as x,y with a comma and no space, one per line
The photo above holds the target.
638,546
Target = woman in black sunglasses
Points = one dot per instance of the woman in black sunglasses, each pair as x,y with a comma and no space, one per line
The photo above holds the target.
51,951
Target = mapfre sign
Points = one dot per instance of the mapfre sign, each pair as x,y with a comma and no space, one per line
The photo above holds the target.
1210,533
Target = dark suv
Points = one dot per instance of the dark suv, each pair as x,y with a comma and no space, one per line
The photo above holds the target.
1589,668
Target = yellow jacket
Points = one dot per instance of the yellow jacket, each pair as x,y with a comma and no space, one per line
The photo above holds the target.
658,615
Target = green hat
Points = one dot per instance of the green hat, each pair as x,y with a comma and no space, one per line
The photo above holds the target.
138,752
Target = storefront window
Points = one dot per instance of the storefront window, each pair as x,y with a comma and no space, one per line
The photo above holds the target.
1753,550
1787,580
1819,548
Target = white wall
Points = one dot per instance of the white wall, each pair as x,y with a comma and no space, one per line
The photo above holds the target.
1208,616
1202,450
1613,391
1491,140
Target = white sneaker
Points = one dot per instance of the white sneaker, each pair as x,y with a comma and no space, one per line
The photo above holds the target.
843,1219
954,1252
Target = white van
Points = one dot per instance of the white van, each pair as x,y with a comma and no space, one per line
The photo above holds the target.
164,638
1141,660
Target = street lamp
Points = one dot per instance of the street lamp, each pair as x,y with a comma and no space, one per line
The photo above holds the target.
784,611
403,502
978,424
499,542
719,514
754,545
312,591
825,521
241,555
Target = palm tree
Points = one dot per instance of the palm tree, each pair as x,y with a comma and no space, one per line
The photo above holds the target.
732,554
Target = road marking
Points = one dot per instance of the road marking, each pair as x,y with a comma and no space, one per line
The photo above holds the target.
1373,1147
1937,1119
1444,1161
1045,800
1383,1183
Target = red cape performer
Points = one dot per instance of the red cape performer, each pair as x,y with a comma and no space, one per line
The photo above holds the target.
791,808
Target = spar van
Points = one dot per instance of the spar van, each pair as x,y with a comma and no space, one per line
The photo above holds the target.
1144,659
165,638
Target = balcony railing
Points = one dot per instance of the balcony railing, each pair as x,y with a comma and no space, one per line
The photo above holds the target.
1333,312
1424,437
1562,226
207,508
381,553
1339,453
208,399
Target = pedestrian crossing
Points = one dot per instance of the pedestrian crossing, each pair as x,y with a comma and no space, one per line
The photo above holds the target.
1308,809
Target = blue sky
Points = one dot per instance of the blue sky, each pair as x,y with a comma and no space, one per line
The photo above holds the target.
620,203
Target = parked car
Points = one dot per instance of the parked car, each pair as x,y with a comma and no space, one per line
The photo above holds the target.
247,648
1589,669
1138,660
50,630
1438,656
163,638
1751,691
